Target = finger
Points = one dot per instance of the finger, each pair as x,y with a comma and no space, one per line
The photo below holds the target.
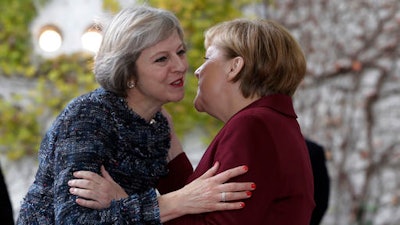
88,175
234,196
210,172
229,206
228,174
84,193
238,186
81,183
88,203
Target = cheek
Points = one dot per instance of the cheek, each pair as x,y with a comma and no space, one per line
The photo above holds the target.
186,63
209,91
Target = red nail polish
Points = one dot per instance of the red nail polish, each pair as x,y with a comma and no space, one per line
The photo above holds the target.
248,193
245,168
242,205
253,186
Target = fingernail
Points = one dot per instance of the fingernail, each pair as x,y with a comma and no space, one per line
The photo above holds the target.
248,193
253,186
245,168
242,205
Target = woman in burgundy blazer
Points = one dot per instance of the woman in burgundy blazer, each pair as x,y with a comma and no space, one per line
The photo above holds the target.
252,69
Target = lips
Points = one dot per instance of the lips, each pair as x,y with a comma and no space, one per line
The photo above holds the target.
178,83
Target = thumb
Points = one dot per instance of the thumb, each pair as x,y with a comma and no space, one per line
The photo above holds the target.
105,174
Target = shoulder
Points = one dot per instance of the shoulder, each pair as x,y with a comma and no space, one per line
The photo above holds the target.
90,101
256,117
87,111
94,105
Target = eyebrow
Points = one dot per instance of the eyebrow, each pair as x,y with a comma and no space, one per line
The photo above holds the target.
162,51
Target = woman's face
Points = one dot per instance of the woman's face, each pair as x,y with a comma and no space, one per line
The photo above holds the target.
213,80
161,72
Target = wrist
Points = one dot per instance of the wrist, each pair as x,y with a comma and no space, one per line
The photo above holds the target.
169,205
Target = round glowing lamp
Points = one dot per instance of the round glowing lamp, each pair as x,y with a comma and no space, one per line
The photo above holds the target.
50,39
91,40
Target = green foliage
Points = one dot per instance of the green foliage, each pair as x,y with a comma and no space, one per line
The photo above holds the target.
62,79
15,48
19,130
24,117
111,5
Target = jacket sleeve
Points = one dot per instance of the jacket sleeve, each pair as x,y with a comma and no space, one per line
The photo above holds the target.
180,169
81,146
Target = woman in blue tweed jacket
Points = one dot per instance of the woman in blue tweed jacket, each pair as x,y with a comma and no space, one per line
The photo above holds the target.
140,66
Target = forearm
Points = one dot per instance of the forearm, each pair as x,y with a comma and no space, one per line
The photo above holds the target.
136,209
204,194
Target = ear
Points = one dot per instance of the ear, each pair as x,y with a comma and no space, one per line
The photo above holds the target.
236,66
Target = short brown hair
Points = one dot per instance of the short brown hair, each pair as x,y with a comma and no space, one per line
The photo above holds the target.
273,60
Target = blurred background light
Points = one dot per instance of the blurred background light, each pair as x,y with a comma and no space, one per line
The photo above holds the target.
50,39
91,40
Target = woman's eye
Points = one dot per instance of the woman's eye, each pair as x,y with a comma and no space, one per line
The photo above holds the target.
161,59
182,52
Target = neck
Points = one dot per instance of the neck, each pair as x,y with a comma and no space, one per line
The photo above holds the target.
238,103
143,108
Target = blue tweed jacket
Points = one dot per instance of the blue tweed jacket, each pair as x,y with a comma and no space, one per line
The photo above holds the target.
93,130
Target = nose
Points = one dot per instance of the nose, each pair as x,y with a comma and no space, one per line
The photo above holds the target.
197,72
181,64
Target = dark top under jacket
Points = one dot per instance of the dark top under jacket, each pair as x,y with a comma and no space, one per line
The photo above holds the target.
321,181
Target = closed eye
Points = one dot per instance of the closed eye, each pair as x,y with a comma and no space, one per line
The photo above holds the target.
182,52
161,59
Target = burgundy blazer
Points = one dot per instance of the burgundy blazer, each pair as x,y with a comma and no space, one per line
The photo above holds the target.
266,137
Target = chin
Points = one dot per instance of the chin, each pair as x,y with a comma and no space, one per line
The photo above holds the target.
177,98
198,106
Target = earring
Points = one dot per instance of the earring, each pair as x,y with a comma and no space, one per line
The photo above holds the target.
131,84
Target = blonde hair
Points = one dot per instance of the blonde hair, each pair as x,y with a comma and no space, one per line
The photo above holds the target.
124,38
273,60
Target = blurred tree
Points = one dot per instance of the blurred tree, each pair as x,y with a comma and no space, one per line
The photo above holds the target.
349,99
18,129
25,116
15,49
